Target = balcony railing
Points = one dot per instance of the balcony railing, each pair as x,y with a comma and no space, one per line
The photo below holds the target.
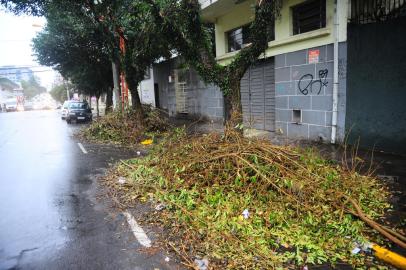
370,11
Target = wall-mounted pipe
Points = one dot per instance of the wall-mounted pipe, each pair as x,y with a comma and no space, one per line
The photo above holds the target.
335,73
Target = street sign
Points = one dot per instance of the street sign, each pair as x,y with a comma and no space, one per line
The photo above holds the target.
314,56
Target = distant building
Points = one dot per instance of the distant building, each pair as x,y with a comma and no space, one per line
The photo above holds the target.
16,74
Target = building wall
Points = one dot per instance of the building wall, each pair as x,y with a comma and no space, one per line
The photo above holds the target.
285,41
146,90
161,72
202,100
300,90
303,93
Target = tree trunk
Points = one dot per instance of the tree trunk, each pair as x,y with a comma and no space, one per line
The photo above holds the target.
232,105
109,101
136,102
97,106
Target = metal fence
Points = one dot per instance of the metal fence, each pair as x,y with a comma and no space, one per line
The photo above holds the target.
370,11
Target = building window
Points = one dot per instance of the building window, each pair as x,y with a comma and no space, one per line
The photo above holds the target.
237,38
309,16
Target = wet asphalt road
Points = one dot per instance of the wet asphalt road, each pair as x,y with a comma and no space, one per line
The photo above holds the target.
50,217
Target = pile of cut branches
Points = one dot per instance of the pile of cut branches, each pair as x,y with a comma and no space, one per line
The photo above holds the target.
125,127
249,204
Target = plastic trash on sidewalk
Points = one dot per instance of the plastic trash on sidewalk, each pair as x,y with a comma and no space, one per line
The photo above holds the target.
355,250
147,142
246,213
121,180
160,206
202,264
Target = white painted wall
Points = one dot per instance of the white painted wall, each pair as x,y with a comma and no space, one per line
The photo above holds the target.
146,90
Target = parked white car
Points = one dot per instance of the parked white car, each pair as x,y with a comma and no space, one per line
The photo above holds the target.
11,106
64,109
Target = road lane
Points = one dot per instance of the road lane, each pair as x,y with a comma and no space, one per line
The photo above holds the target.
50,215
35,161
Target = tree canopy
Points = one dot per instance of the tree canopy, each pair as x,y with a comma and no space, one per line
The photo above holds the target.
6,84
75,46
59,92
31,7
152,29
81,38
144,43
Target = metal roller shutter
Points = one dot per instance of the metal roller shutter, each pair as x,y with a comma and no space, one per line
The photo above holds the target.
258,96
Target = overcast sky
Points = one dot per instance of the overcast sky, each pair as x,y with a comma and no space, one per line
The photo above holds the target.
16,33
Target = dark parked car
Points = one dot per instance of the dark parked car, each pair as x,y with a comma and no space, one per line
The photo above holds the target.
78,111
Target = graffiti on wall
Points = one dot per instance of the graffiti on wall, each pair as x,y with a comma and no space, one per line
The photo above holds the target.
307,84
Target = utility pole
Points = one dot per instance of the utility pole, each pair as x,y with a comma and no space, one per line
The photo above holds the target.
124,87
67,93
116,90
67,89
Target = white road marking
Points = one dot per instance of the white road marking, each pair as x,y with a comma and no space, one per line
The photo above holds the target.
82,148
138,232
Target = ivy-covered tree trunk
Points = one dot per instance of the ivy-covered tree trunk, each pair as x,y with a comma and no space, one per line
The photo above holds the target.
183,25
136,104
97,106
232,103
135,98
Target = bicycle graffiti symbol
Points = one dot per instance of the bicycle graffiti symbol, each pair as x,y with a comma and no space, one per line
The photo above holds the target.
306,83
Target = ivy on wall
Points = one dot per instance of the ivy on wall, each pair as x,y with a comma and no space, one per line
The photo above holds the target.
183,26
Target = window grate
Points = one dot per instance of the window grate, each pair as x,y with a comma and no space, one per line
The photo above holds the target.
370,11
238,37
309,16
